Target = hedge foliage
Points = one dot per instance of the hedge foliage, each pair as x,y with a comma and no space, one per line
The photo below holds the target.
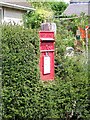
25,96
20,70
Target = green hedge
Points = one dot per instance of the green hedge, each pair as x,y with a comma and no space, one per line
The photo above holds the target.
25,96
19,71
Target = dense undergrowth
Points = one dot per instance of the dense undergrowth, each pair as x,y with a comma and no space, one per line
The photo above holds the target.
25,96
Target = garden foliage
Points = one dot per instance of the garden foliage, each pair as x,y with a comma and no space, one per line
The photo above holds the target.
19,71
25,96
44,11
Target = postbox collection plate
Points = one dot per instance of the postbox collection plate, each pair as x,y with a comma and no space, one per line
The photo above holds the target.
46,65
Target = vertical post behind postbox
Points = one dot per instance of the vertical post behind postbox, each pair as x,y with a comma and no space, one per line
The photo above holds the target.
47,42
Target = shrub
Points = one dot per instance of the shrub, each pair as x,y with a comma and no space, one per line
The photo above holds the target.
19,71
25,96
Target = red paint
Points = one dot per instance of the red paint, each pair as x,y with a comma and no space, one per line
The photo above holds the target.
46,34
46,46
88,31
83,33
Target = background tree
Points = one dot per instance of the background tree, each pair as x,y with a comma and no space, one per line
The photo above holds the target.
58,7
44,11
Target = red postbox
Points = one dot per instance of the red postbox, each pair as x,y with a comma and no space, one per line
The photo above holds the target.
47,42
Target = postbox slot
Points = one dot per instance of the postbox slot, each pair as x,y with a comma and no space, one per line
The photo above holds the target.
46,50
47,39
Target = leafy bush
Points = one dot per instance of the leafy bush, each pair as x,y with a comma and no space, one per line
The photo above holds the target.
25,96
33,20
44,11
58,7
19,71
74,72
